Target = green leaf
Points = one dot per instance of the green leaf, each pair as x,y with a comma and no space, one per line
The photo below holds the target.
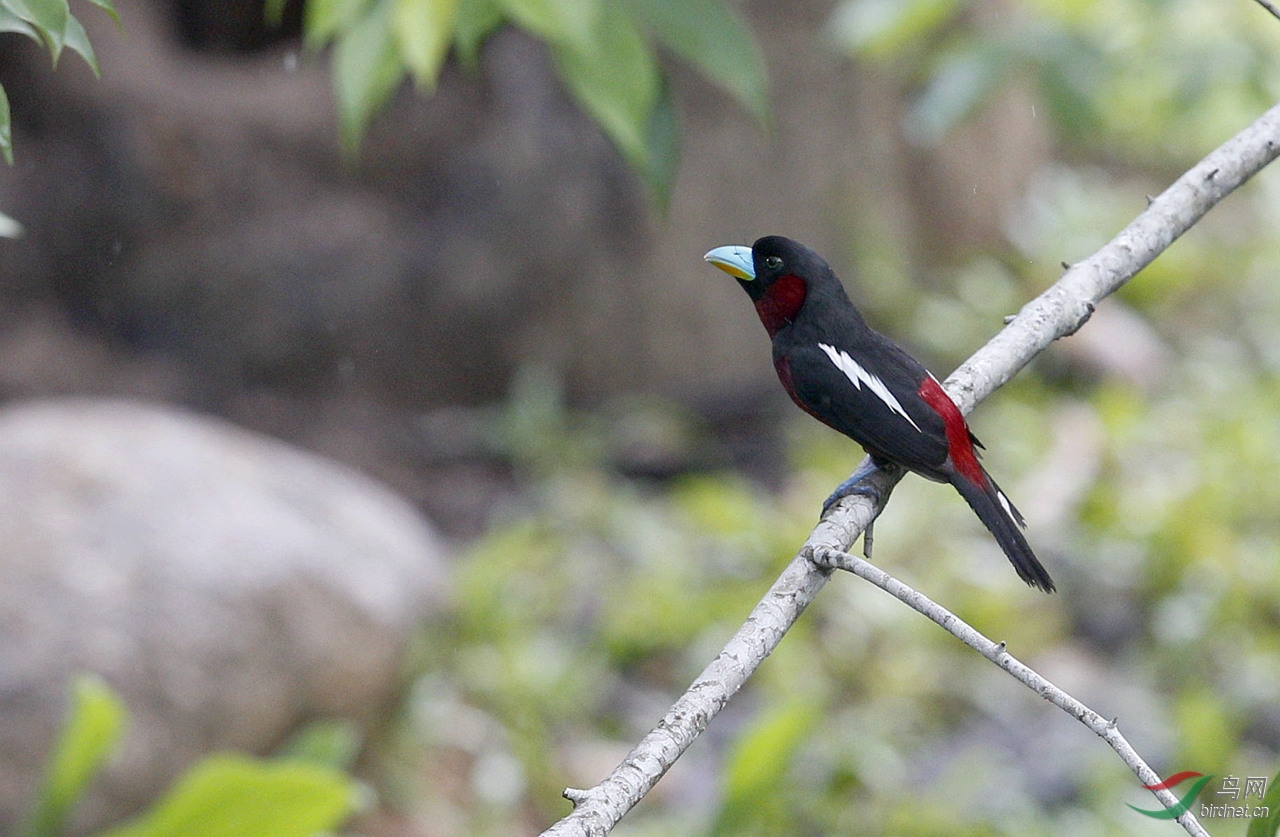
231,795
1269,825
9,22
6,128
662,149
366,69
710,35
325,743
326,19
476,20
571,23
93,726
273,12
758,765
884,28
614,77
78,42
49,17
424,30
106,6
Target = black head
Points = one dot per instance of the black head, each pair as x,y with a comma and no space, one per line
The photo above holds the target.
775,256
771,258
783,279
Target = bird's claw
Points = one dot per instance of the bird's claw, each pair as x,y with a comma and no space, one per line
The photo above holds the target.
855,484
846,490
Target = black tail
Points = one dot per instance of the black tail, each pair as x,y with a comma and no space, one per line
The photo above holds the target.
998,515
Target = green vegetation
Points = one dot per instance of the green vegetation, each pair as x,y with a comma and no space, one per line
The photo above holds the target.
50,24
589,607
1142,82
582,615
605,52
304,791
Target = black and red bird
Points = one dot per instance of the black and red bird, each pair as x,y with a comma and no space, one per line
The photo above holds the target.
861,383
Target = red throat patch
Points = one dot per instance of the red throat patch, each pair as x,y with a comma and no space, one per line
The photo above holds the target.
781,302
959,446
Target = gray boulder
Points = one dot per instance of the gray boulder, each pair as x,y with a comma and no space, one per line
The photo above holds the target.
228,586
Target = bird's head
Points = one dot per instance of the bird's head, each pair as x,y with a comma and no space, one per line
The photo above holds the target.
768,260
777,273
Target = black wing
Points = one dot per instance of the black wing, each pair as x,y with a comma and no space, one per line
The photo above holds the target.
879,408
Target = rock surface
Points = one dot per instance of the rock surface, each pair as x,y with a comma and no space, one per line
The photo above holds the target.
229,587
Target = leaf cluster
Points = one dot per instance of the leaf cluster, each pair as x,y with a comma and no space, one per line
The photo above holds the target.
1112,75
605,51
300,793
50,24
865,722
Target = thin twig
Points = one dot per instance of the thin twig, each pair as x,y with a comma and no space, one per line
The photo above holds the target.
1057,312
996,652
1271,7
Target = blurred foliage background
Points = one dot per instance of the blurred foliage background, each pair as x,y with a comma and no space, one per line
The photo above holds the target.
637,534
597,598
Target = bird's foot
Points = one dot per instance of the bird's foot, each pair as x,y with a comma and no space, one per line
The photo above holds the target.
856,484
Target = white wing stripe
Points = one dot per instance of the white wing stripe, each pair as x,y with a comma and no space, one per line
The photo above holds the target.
859,376
1004,502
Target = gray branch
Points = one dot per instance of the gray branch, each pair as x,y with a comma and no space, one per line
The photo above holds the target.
1105,729
1270,7
1059,311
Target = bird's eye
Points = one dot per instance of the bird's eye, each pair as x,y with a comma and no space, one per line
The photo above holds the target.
772,262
